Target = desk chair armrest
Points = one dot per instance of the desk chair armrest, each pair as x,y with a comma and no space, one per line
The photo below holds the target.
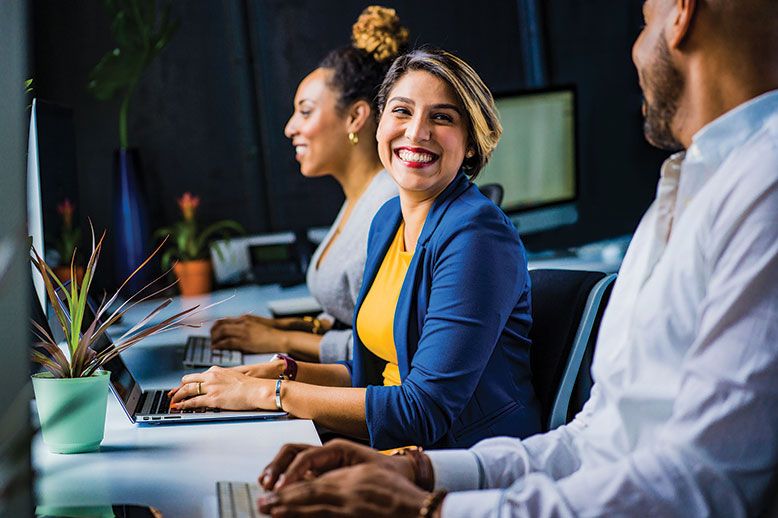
559,410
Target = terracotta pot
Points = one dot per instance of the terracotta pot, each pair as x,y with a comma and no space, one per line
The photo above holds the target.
194,277
63,273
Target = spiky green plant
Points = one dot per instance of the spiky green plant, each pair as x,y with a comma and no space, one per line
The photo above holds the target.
83,361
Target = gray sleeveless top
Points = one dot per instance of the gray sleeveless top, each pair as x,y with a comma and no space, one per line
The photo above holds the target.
337,280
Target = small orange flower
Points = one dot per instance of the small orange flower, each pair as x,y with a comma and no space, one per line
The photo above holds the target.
66,210
188,205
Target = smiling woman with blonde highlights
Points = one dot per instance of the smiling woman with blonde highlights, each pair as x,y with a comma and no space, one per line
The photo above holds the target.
441,354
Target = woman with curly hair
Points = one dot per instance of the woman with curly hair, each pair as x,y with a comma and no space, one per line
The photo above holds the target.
333,130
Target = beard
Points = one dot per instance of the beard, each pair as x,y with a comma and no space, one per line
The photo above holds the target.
666,84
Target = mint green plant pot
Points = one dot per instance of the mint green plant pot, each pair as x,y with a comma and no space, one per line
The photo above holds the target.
71,411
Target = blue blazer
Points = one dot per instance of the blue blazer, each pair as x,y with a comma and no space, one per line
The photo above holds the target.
460,328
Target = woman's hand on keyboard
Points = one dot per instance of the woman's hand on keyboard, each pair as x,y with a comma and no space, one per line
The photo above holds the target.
296,462
266,370
223,388
247,333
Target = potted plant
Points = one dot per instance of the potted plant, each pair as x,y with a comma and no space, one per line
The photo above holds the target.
71,393
67,242
141,32
190,247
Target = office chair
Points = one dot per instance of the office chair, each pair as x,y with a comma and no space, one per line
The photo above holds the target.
567,307
493,191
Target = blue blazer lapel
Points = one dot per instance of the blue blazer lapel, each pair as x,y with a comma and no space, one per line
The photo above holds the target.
457,186
382,233
407,330
381,240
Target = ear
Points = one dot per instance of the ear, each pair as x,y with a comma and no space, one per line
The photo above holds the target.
681,22
358,114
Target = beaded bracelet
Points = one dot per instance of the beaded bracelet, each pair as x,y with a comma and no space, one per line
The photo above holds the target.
431,503
422,467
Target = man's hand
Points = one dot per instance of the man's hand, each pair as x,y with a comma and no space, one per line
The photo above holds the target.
296,462
362,490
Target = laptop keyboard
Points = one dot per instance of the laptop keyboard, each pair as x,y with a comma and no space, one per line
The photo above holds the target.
198,353
238,499
154,402
158,402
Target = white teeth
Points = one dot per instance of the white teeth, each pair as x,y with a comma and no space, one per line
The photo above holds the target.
410,156
300,150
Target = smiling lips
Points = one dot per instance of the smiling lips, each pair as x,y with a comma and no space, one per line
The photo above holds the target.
299,150
415,157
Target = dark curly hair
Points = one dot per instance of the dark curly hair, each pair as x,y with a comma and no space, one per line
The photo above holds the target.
355,76
358,69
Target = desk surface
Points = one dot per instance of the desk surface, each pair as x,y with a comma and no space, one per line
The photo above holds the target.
175,467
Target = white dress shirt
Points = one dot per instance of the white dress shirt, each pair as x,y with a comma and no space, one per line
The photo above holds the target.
683,416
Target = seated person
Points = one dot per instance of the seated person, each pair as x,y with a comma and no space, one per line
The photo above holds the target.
441,354
682,419
333,132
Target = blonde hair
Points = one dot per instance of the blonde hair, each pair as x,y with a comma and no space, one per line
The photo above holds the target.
483,122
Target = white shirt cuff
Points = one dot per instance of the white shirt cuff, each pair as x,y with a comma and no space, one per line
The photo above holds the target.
472,504
455,470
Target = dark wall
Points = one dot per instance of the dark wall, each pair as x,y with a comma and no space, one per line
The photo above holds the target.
589,44
209,114
288,39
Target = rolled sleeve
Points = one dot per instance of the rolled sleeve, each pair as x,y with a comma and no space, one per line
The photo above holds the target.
455,470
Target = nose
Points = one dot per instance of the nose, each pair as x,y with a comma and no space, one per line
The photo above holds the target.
418,129
290,130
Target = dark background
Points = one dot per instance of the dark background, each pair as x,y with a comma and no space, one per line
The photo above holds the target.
208,116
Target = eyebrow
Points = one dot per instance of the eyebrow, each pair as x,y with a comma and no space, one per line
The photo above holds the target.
441,106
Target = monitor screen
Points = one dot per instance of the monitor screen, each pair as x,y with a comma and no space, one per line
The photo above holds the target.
52,179
535,161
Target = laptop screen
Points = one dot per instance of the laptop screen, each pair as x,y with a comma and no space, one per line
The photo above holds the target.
123,383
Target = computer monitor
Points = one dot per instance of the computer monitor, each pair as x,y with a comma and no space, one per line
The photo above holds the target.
52,176
535,161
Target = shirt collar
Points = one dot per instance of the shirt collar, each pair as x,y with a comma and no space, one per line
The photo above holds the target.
715,142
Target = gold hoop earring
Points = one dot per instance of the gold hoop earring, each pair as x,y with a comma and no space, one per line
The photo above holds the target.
353,138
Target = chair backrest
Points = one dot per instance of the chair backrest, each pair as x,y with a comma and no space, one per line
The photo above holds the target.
493,191
566,309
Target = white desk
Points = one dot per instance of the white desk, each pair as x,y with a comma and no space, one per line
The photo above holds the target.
174,467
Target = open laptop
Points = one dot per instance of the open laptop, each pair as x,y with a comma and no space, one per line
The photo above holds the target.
153,406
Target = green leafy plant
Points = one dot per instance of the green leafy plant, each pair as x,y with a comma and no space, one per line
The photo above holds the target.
83,360
189,244
141,33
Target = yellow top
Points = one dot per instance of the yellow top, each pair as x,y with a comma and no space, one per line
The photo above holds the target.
375,321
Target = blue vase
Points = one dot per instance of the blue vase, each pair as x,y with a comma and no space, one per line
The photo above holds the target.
131,230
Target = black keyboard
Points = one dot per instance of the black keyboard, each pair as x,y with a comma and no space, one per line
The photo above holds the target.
198,353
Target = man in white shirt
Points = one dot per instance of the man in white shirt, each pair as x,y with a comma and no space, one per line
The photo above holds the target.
683,416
